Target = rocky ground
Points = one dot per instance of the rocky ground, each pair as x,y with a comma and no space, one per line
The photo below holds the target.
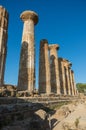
20,114
70,117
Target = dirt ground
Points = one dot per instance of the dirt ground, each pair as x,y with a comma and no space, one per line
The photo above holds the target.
70,117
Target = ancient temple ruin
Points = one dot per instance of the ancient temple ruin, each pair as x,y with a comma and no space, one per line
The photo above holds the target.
3,41
55,74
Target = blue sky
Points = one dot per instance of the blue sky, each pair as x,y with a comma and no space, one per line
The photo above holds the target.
60,21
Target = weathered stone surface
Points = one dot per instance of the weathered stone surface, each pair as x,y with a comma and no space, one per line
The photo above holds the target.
66,79
24,116
8,90
3,41
55,74
44,68
62,76
41,113
73,83
26,79
54,69
70,83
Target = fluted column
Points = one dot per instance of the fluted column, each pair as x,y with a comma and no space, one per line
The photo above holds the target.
44,68
26,77
3,41
67,65
72,89
73,82
62,76
68,80
69,70
54,67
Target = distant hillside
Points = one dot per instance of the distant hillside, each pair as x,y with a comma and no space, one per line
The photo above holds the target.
81,87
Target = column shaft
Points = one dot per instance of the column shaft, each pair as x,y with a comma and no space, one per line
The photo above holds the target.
72,89
54,68
44,68
73,83
62,76
68,81
26,77
3,42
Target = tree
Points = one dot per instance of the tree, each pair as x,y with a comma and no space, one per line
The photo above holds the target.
81,87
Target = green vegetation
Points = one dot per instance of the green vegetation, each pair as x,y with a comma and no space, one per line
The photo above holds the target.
77,122
81,87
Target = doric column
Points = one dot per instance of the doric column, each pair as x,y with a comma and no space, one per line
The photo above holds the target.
54,68
68,78
62,76
67,85
72,89
73,82
70,84
44,68
3,41
26,77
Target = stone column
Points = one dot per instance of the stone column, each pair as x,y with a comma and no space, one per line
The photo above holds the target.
66,65
62,76
26,77
68,80
73,82
3,41
70,84
44,68
54,68
72,89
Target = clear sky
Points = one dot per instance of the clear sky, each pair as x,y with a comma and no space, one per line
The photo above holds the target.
60,21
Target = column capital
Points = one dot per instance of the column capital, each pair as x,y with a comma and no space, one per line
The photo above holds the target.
60,58
54,46
67,63
26,15
4,12
43,42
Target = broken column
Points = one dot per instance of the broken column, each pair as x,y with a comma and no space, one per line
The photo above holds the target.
54,69
44,68
26,77
3,41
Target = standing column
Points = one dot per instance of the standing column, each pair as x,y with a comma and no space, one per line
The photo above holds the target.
44,68
68,80
62,76
54,67
3,42
69,68
26,77
73,82
72,89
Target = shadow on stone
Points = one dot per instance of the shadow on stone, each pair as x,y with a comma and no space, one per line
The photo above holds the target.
23,115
